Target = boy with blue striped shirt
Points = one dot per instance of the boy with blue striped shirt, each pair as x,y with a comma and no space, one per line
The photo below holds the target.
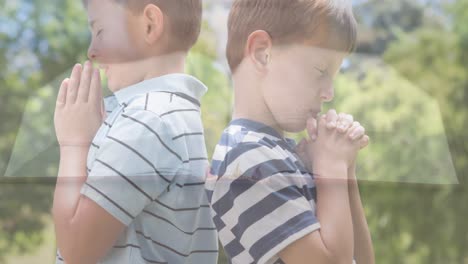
274,201
130,187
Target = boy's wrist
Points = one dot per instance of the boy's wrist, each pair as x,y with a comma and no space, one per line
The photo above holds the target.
74,149
352,171
330,170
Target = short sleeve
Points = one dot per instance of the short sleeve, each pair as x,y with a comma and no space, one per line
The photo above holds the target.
135,163
260,203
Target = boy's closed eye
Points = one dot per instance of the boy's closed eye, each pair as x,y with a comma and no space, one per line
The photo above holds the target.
322,72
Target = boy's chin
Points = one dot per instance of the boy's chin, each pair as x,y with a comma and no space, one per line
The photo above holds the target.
296,126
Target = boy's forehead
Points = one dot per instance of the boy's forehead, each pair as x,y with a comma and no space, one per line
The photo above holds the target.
321,56
92,9
100,9
96,8
316,51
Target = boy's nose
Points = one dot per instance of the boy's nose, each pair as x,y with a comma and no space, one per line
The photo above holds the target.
328,94
92,54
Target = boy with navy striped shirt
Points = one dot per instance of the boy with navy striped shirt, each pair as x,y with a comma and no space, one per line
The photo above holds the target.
274,201
130,187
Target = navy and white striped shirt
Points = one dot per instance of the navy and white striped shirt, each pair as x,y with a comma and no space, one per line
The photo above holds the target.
262,197
147,166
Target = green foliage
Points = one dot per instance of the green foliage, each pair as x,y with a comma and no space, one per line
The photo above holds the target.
424,223
407,168
216,110
38,43
403,122
24,207
38,40
380,21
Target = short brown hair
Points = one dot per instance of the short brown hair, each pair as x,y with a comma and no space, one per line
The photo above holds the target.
184,19
327,23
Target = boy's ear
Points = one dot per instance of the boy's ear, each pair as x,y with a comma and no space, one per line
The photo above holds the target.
153,20
258,49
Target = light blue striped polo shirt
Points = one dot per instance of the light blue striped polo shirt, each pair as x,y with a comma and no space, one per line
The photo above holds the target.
147,168
262,197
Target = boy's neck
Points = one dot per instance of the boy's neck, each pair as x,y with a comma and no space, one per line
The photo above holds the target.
163,64
249,102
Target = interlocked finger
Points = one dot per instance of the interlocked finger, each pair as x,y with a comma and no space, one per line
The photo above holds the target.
331,118
345,121
356,131
364,141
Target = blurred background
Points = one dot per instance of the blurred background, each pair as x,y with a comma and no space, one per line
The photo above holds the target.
407,83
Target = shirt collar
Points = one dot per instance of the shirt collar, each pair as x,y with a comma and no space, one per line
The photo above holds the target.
172,83
265,129
256,127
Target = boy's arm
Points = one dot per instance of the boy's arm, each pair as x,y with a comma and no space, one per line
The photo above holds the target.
363,249
335,241
84,231
332,243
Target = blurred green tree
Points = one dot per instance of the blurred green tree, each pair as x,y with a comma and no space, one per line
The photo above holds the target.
434,59
38,40
417,223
